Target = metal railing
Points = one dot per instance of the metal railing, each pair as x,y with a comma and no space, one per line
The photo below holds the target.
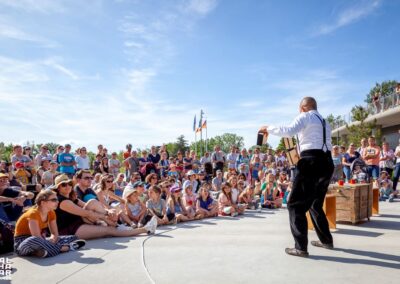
383,104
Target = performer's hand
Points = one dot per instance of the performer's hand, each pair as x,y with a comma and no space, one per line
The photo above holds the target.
263,129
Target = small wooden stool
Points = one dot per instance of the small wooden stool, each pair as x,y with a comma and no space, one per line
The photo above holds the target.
329,208
375,201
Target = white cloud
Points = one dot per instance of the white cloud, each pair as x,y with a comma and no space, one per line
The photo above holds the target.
349,16
64,70
12,32
200,7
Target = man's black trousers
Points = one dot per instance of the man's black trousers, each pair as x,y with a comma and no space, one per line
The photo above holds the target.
314,172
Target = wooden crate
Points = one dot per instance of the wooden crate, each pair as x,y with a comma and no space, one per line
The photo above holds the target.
329,208
353,202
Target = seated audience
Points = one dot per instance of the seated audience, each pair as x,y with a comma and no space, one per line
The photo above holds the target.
36,232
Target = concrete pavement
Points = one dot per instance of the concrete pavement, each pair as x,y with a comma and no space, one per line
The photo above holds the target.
247,249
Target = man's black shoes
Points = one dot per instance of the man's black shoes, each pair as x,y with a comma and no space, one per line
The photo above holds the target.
321,245
296,252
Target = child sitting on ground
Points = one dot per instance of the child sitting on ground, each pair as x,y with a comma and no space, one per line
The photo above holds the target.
247,197
386,191
176,207
156,206
225,205
270,197
205,205
134,208
189,199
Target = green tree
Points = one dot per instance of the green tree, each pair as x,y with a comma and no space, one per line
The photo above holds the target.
181,145
362,129
6,151
359,113
335,122
263,148
225,140
281,145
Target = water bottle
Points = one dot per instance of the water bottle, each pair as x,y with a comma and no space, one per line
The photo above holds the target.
259,206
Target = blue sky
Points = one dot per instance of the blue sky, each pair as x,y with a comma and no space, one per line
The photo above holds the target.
113,72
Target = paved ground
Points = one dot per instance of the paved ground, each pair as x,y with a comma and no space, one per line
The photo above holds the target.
248,249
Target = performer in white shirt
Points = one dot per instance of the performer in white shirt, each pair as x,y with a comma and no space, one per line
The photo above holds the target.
314,171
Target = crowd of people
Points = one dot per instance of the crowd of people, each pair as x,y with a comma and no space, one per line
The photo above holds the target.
381,103
381,164
53,202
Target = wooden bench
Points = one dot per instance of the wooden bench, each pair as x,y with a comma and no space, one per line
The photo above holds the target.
329,208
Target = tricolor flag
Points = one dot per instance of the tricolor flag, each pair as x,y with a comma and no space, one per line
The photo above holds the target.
201,118
204,124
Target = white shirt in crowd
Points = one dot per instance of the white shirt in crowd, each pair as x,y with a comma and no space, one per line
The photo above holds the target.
40,157
82,163
205,159
231,159
397,154
114,162
309,130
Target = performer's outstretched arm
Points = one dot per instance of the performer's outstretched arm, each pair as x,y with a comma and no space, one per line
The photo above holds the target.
288,131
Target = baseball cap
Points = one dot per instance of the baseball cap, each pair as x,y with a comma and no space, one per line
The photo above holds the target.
138,183
175,188
190,173
19,165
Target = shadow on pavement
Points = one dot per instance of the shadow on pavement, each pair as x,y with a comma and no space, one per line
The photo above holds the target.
372,254
382,224
356,261
65,258
353,232
388,216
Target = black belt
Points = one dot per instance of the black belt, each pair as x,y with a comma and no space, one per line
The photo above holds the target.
314,153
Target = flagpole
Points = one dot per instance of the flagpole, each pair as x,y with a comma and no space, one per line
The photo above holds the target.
201,132
206,135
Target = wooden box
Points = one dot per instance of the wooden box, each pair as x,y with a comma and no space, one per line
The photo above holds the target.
329,208
353,202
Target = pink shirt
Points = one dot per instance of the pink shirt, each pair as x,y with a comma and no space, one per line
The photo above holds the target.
223,201
375,150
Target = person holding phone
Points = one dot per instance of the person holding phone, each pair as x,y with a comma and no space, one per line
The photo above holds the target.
315,169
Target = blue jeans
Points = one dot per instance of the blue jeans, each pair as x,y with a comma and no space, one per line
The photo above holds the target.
10,212
347,172
373,171
396,175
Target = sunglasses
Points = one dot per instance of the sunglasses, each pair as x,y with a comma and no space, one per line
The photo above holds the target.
110,181
66,184
52,200
88,178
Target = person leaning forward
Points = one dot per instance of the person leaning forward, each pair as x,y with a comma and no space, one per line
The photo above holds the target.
315,169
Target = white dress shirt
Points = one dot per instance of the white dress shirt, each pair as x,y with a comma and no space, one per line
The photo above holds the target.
309,130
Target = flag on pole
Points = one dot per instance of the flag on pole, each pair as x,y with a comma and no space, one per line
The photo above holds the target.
204,124
201,118
194,123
